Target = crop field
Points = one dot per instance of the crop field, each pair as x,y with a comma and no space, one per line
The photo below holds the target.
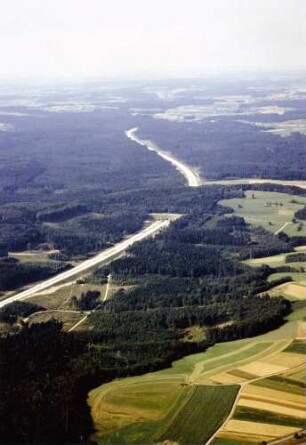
170,413
275,261
296,276
291,291
203,413
156,406
262,416
230,441
298,346
254,431
271,210
272,406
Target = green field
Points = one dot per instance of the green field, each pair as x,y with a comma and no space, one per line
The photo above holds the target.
280,383
295,276
298,346
270,210
202,415
197,412
276,261
258,415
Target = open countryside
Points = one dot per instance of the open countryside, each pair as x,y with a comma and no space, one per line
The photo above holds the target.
152,273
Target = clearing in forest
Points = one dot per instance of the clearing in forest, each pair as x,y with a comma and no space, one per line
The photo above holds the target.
271,210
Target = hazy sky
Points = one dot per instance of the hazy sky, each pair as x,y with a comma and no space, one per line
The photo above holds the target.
72,38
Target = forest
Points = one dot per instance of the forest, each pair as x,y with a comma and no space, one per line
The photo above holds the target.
225,148
190,275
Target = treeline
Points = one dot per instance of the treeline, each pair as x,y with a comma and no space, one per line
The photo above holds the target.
301,214
18,309
14,274
61,214
265,316
296,257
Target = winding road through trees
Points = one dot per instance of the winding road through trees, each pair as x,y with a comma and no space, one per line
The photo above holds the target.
191,176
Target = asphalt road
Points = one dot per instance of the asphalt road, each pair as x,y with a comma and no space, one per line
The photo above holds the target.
107,254
192,178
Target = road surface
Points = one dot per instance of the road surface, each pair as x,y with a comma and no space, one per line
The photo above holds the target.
192,178
282,228
87,264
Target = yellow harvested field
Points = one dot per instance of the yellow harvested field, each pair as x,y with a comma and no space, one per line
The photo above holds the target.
300,248
262,369
273,408
301,330
230,436
273,395
296,290
226,378
267,260
284,211
255,429
286,359
298,374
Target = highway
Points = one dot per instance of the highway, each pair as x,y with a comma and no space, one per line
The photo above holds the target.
192,178
107,254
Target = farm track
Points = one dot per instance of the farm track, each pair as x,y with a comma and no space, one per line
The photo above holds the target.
95,309
282,228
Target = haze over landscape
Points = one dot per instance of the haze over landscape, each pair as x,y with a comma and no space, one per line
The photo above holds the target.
94,38
152,222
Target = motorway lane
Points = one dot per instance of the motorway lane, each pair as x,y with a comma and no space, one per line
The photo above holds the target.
87,264
192,179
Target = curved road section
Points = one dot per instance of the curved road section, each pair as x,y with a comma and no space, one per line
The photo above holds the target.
87,264
192,179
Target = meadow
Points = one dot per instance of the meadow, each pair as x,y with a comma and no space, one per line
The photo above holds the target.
271,210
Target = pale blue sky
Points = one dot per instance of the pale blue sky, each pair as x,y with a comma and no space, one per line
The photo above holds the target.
73,38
